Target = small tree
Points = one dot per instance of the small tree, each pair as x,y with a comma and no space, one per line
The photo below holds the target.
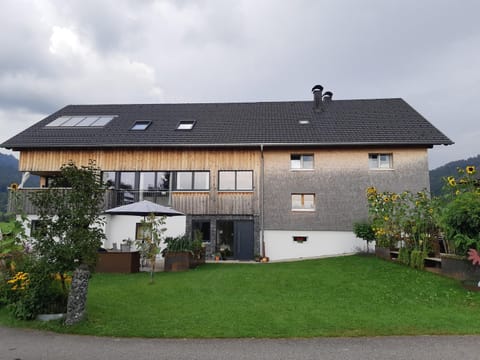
70,228
364,230
149,246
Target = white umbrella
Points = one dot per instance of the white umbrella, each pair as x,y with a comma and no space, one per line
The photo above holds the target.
143,208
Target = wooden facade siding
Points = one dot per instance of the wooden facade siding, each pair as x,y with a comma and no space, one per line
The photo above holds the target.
194,203
44,161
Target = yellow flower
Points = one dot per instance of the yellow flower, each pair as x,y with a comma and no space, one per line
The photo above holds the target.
470,170
395,197
386,218
451,181
457,192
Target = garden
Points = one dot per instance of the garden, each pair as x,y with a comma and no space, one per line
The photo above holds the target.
415,227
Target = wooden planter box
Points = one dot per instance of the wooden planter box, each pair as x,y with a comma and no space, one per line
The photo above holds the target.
197,259
178,261
118,262
383,253
459,268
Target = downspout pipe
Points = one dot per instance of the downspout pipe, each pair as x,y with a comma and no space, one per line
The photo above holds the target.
262,200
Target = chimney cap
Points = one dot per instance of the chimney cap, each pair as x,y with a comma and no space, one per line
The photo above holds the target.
328,94
317,88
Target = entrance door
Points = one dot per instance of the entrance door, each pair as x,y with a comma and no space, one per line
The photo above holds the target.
235,239
243,235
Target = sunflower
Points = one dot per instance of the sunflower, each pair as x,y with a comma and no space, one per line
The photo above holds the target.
451,181
470,170
14,186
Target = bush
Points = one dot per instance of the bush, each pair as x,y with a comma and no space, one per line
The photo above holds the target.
417,259
36,290
404,256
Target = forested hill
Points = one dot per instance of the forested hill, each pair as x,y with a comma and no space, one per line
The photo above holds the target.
450,169
9,174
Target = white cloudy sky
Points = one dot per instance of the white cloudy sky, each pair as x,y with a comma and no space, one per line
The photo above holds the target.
54,53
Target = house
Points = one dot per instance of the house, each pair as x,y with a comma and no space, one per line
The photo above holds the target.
283,179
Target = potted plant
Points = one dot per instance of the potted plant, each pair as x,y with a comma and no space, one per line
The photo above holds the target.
177,253
126,245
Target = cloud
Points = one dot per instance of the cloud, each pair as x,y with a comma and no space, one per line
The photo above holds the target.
124,51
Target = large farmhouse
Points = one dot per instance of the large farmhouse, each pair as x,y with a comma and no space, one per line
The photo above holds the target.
281,179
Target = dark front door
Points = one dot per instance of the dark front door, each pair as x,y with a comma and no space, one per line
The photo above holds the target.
235,239
244,242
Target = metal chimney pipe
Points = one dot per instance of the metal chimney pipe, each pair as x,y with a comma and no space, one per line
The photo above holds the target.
317,97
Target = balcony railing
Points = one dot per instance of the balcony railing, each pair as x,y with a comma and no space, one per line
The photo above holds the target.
19,202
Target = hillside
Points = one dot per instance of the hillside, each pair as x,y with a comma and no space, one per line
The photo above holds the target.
449,169
8,174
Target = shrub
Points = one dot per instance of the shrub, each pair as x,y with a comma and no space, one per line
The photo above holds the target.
417,259
404,256
459,211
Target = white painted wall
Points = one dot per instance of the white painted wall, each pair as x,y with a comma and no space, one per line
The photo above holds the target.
279,245
119,227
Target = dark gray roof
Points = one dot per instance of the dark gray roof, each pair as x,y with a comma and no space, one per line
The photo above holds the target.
341,123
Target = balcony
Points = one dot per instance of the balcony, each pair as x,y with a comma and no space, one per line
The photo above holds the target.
19,201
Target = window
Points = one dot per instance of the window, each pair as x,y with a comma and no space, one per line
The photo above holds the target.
141,231
303,202
301,161
141,125
108,178
201,228
300,239
186,125
81,121
193,180
235,180
380,161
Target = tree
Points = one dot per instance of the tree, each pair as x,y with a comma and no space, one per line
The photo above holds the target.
71,230
153,235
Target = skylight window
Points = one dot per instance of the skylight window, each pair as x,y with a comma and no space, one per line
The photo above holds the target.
304,122
186,125
141,125
81,121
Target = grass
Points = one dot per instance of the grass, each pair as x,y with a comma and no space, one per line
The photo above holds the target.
344,296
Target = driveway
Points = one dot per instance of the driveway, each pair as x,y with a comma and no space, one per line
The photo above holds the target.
30,344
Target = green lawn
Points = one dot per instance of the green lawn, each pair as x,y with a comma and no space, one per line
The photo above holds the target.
345,296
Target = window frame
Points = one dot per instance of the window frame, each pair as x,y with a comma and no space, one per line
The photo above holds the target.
302,201
302,162
378,160
193,173
141,125
235,187
186,125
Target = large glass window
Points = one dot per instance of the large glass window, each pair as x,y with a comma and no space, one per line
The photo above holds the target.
235,180
127,180
303,202
201,228
301,161
163,180
108,178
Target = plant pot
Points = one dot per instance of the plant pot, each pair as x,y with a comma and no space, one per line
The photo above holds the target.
177,261
125,248
49,317
471,285
459,268
382,252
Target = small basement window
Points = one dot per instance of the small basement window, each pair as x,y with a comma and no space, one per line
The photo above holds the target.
141,125
300,239
186,125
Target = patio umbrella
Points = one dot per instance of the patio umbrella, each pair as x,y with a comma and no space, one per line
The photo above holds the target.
143,208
